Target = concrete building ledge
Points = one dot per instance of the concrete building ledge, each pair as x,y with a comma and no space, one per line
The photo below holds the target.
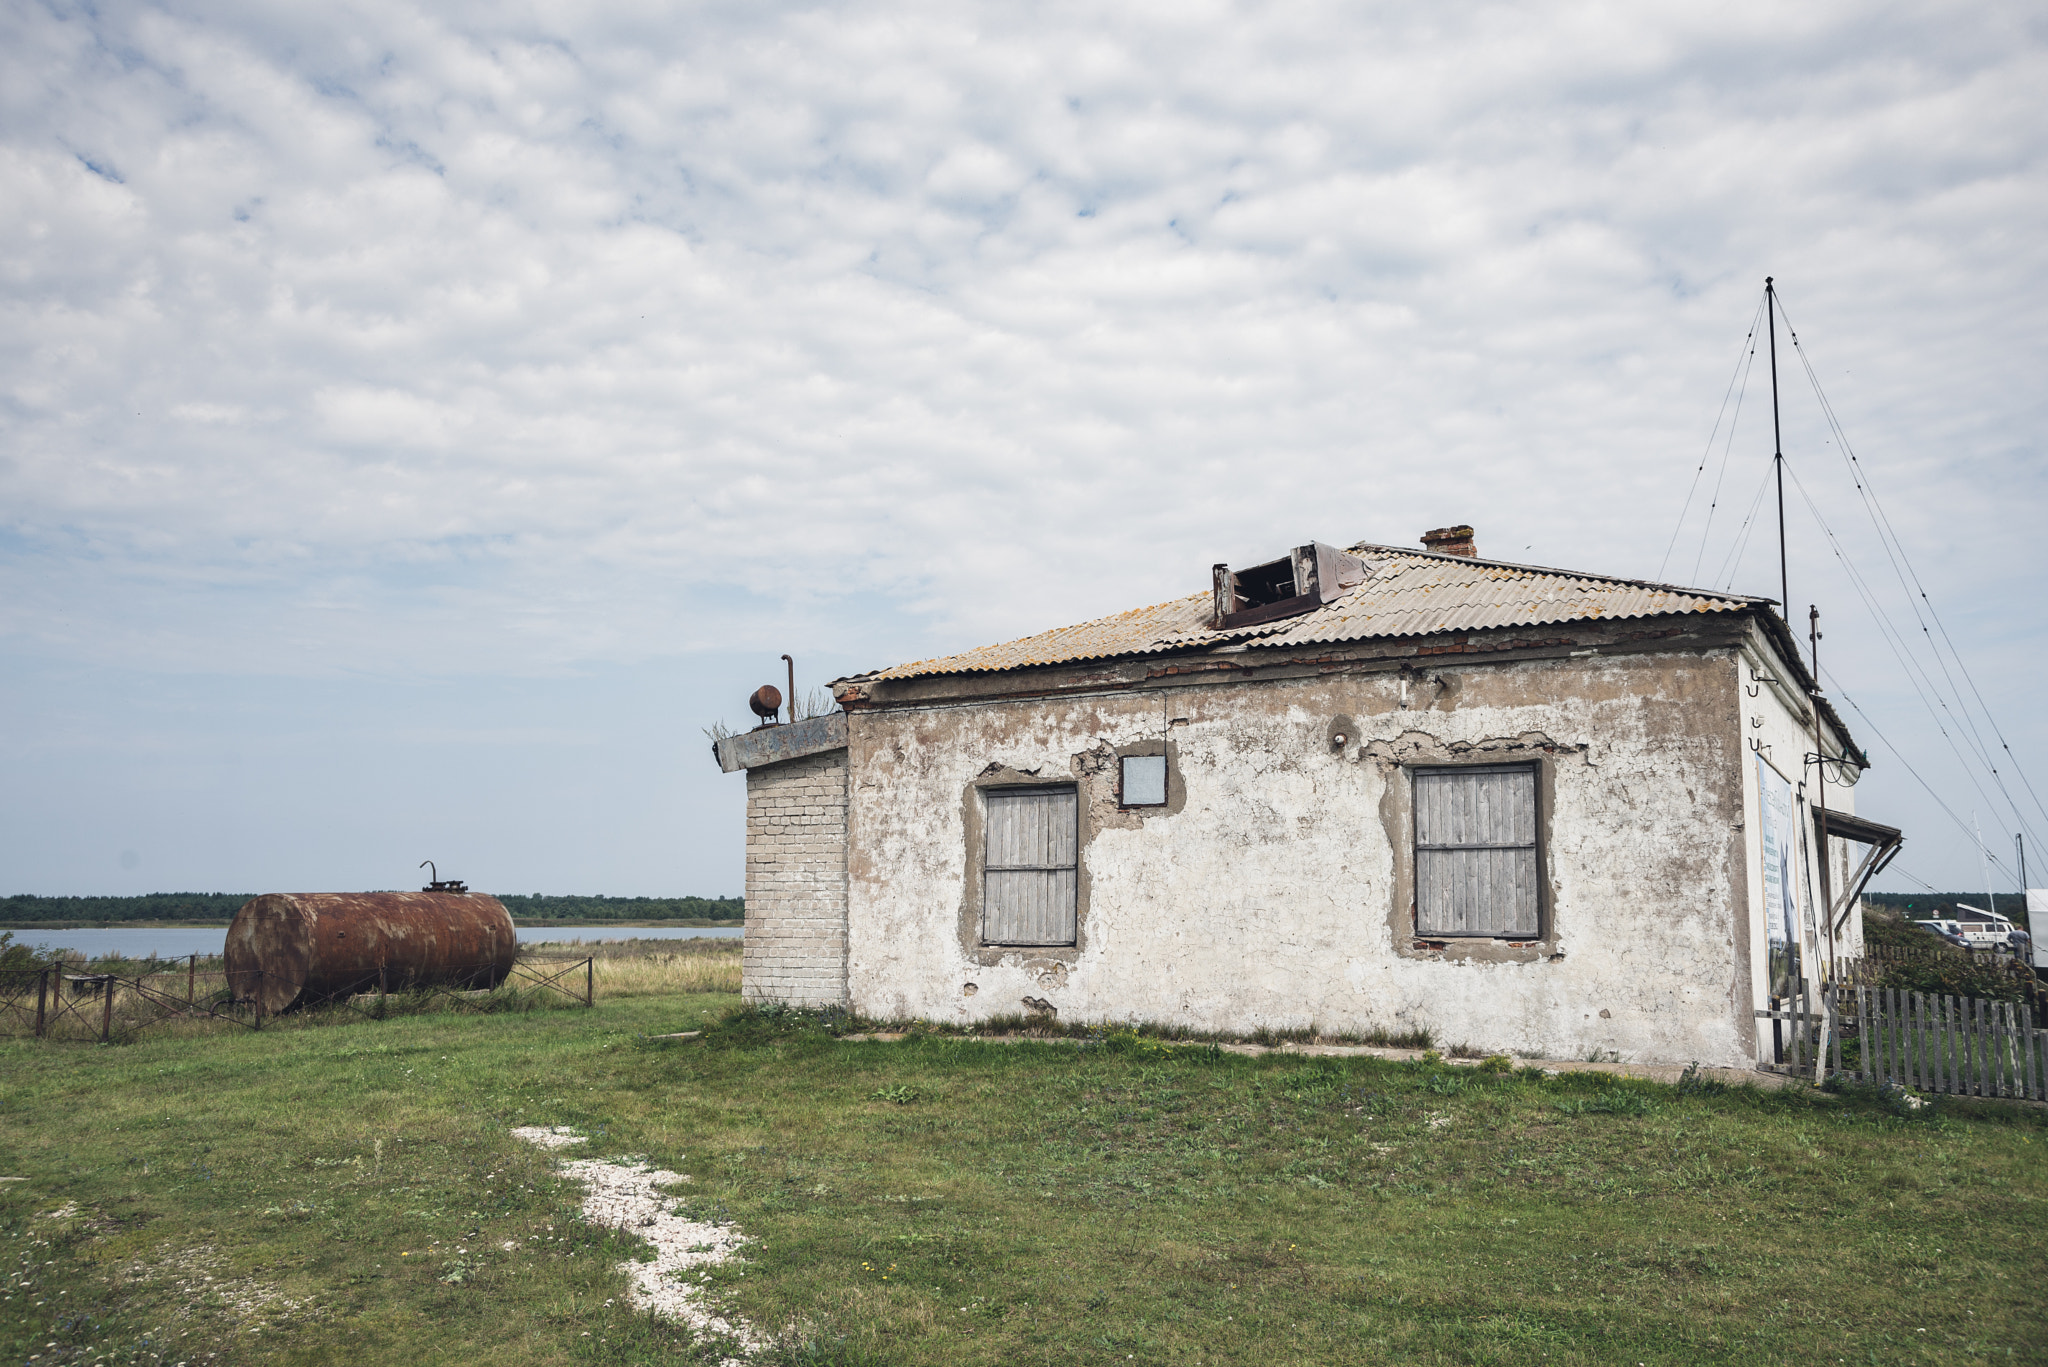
1648,1072
775,744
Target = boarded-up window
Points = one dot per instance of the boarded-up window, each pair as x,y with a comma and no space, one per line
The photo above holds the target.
1144,781
1028,873
1475,851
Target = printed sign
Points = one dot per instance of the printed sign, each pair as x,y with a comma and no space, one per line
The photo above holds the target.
2037,924
1780,900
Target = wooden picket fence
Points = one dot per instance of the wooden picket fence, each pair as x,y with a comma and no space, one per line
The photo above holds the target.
1958,1046
1799,1029
1954,1046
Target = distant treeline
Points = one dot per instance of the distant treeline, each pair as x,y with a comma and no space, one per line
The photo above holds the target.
539,908
157,906
221,907
1941,906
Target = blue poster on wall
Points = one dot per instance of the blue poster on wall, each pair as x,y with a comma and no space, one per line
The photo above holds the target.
1780,899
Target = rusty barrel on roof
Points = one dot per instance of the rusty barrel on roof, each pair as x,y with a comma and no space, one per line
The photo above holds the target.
288,949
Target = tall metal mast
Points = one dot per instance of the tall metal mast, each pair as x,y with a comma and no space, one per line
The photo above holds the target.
1778,442
1820,789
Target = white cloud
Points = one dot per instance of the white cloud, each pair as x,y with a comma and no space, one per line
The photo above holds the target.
486,339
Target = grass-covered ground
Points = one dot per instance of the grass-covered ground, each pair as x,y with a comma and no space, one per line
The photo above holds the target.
345,1190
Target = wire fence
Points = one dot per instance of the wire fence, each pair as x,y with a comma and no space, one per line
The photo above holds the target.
60,1002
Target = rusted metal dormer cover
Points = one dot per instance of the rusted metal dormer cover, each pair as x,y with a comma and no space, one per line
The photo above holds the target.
1298,582
290,949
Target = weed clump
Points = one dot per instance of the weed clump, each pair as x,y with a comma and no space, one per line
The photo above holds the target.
1692,1082
1889,1097
1317,1082
1614,1101
752,1024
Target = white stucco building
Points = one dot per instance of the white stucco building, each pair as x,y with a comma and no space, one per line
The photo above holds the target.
1528,810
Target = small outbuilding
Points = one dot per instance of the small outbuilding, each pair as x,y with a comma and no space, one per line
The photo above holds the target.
1366,789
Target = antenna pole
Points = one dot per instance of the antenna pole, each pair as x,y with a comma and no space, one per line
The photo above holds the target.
1820,787
1984,858
1778,441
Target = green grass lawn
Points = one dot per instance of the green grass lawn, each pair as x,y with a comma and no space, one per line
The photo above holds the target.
344,1192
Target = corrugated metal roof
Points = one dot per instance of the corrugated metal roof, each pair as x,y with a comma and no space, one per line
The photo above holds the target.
1405,593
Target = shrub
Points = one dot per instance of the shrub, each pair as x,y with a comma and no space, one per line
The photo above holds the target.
16,957
1942,969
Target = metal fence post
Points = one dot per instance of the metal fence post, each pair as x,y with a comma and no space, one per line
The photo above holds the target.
107,1011
589,981
42,993
257,997
192,981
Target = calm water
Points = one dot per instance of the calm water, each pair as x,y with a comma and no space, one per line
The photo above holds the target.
178,941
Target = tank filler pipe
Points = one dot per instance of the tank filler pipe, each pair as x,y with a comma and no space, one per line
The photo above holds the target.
792,686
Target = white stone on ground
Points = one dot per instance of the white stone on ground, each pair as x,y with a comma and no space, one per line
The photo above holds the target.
628,1196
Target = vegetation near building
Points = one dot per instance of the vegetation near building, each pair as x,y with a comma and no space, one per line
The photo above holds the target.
1915,961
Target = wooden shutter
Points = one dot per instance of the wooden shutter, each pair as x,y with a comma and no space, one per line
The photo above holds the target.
1475,851
1029,870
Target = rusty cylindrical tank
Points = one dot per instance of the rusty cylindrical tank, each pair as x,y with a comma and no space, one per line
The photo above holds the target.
292,948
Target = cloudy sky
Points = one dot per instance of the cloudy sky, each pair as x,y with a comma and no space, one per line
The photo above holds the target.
417,423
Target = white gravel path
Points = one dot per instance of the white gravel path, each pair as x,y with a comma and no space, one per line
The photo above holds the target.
628,1196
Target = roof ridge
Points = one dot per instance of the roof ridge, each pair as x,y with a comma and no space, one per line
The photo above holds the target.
1420,553
1034,635
1411,592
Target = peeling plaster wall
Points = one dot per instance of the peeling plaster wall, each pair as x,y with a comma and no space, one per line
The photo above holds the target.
1271,892
1779,722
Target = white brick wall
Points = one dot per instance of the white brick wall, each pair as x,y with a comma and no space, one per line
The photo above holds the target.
796,882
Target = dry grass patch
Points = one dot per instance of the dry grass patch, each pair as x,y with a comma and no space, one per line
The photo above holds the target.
646,968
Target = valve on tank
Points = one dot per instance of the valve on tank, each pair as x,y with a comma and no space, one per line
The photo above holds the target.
436,883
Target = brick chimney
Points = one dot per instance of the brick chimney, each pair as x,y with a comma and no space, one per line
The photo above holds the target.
1450,541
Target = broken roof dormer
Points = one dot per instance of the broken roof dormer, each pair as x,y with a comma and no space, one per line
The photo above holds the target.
1305,578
